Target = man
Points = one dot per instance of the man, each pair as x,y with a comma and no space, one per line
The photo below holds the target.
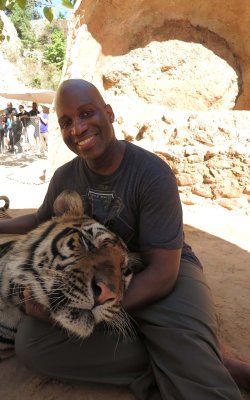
2,133
176,353
33,127
10,119
10,109
43,124
24,117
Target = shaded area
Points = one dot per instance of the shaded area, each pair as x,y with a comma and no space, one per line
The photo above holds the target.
227,269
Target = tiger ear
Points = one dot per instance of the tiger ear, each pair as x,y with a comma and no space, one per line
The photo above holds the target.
68,202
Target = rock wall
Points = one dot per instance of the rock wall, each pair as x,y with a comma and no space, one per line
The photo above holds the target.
209,153
9,53
174,72
104,30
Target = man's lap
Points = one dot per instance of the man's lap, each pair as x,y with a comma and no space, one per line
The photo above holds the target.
179,333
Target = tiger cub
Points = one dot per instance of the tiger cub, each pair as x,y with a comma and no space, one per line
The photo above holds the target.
72,265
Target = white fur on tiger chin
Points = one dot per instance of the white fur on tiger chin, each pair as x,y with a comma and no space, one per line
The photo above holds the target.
61,262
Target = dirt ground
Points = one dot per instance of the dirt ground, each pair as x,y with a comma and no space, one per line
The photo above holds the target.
220,238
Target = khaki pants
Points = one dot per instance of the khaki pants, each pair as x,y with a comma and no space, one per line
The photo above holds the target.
174,357
30,134
43,141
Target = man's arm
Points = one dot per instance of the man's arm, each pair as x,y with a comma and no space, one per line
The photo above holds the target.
155,281
21,224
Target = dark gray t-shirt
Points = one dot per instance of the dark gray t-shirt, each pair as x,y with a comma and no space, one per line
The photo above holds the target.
139,202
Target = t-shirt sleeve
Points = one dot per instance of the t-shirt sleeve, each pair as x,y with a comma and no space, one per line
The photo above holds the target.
45,211
160,222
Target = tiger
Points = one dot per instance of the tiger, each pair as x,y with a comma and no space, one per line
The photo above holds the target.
3,213
74,266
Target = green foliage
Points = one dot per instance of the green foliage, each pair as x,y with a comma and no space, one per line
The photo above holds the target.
40,59
54,52
68,3
24,5
48,13
61,15
21,19
48,78
36,82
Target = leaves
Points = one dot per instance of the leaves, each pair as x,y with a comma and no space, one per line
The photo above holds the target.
54,52
48,13
7,5
2,4
22,3
68,4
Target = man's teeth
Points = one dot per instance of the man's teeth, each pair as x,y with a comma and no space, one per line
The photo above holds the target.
85,141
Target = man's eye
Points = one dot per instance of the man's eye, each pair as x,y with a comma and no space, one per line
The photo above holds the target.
85,114
64,124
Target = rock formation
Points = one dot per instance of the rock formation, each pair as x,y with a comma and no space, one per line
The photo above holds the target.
9,52
102,31
173,72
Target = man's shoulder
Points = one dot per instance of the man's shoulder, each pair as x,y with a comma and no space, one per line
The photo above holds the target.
145,158
69,166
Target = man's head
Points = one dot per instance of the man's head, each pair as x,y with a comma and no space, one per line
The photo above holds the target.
21,108
34,105
84,118
9,105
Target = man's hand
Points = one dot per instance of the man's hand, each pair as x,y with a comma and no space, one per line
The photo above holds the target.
35,309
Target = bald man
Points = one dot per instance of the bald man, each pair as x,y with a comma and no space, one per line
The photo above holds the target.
134,193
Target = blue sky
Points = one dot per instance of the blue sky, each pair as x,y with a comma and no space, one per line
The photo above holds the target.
57,6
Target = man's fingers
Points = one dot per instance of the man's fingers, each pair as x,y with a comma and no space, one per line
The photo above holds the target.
34,308
26,294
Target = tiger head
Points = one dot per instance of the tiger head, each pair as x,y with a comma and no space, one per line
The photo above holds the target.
76,268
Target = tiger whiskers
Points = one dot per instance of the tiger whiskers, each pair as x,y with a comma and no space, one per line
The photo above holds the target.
121,324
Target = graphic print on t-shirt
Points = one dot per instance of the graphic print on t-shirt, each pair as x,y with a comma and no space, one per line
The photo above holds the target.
104,206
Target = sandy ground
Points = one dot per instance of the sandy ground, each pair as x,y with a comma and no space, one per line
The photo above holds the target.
220,238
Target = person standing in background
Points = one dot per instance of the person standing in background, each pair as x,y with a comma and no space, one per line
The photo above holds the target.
9,139
24,117
33,129
10,116
10,109
43,128
2,133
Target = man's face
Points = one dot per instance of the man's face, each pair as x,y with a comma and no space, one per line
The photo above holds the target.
9,105
85,122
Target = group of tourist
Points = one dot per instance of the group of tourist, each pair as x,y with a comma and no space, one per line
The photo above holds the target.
24,130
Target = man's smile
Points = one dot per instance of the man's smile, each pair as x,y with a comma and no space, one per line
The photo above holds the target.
87,142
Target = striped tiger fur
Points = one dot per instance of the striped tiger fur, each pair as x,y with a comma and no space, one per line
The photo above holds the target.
3,213
72,265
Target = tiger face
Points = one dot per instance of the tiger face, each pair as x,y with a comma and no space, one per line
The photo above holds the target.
83,270
74,266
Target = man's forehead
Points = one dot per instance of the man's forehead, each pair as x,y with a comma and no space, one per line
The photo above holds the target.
78,96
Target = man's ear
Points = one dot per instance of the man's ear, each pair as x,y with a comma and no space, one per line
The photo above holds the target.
110,113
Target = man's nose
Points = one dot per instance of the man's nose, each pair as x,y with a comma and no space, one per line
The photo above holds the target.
79,127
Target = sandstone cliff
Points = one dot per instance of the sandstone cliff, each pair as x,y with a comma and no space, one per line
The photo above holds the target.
174,72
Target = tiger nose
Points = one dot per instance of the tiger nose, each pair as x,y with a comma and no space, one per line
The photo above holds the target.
101,292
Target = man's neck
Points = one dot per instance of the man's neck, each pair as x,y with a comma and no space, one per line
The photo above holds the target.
110,161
